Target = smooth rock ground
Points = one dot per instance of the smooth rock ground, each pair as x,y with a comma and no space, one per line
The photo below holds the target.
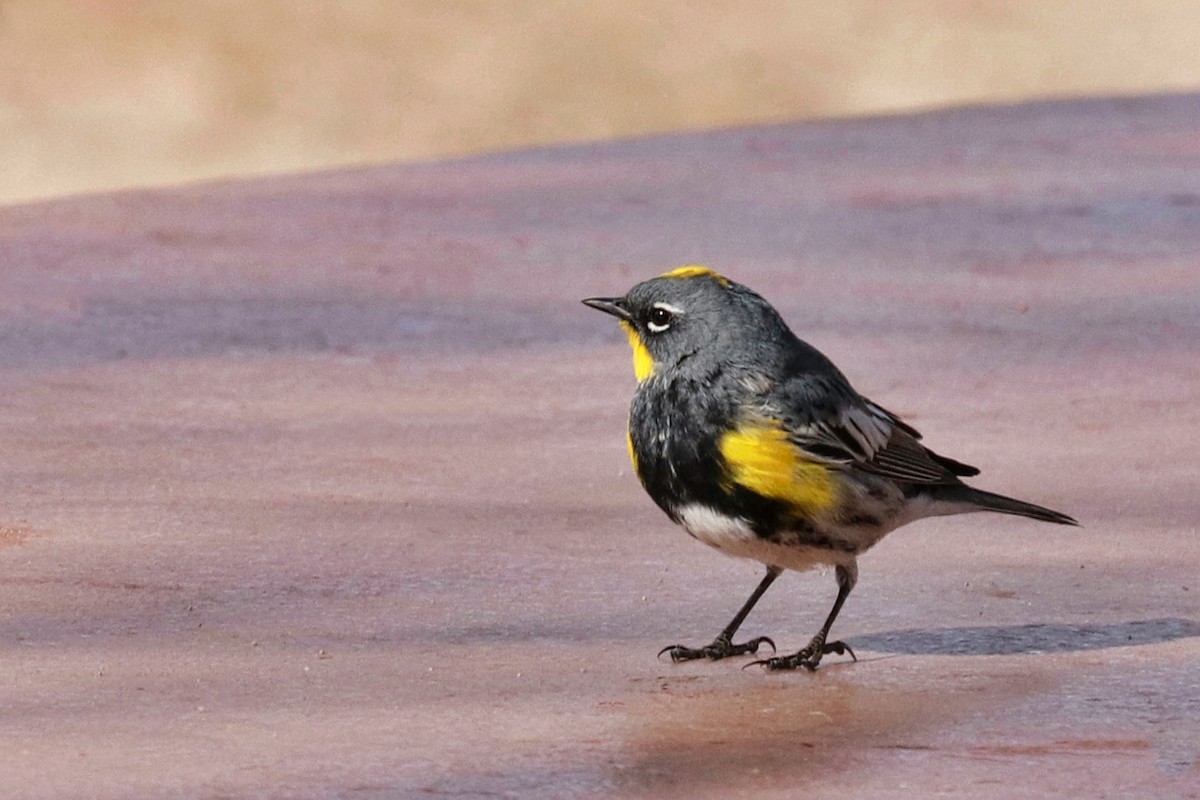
316,486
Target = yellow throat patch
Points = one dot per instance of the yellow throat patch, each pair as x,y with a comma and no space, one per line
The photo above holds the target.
760,457
696,271
643,362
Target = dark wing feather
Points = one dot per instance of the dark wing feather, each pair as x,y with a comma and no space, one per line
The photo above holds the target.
895,420
906,459
829,420
955,467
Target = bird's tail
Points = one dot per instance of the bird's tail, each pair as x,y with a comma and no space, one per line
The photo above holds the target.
988,501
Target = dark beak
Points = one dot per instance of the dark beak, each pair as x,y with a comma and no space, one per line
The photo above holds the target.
610,305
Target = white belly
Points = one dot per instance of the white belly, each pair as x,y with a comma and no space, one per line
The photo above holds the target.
733,536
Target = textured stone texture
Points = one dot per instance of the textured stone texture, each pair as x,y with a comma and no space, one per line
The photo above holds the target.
316,486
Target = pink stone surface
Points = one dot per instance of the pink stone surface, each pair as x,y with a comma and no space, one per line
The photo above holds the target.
316,486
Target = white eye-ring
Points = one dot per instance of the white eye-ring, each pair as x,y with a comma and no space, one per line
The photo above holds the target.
661,317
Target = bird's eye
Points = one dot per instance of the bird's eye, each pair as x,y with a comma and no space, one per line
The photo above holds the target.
660,319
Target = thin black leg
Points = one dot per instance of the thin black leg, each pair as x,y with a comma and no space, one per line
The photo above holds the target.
810,656
723,646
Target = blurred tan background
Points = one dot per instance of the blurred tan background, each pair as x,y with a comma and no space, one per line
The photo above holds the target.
99,94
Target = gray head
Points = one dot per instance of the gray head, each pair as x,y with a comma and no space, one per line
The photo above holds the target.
695,311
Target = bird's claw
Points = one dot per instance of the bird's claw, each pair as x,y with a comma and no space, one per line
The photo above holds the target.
720,648
808,658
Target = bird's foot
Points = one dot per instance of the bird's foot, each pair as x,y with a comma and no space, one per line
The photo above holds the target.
808,658
720,648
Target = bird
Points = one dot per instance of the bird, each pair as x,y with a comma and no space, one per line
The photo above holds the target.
754,443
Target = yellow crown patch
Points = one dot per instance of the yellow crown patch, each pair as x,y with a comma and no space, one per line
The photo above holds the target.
696,271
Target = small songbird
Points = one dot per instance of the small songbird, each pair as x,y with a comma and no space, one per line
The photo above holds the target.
756,444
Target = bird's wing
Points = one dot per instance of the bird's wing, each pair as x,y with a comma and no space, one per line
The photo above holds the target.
955,467
826,418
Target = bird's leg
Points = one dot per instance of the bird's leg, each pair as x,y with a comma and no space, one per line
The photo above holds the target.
723,646
810,656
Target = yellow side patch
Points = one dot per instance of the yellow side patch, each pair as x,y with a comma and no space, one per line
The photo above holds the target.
761,458
632,453
643,362
696,271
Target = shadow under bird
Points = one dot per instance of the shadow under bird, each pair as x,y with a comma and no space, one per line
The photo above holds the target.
756,444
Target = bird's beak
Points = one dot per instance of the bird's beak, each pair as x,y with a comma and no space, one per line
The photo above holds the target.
610,305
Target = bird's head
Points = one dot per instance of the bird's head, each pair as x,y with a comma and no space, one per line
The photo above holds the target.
687,311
